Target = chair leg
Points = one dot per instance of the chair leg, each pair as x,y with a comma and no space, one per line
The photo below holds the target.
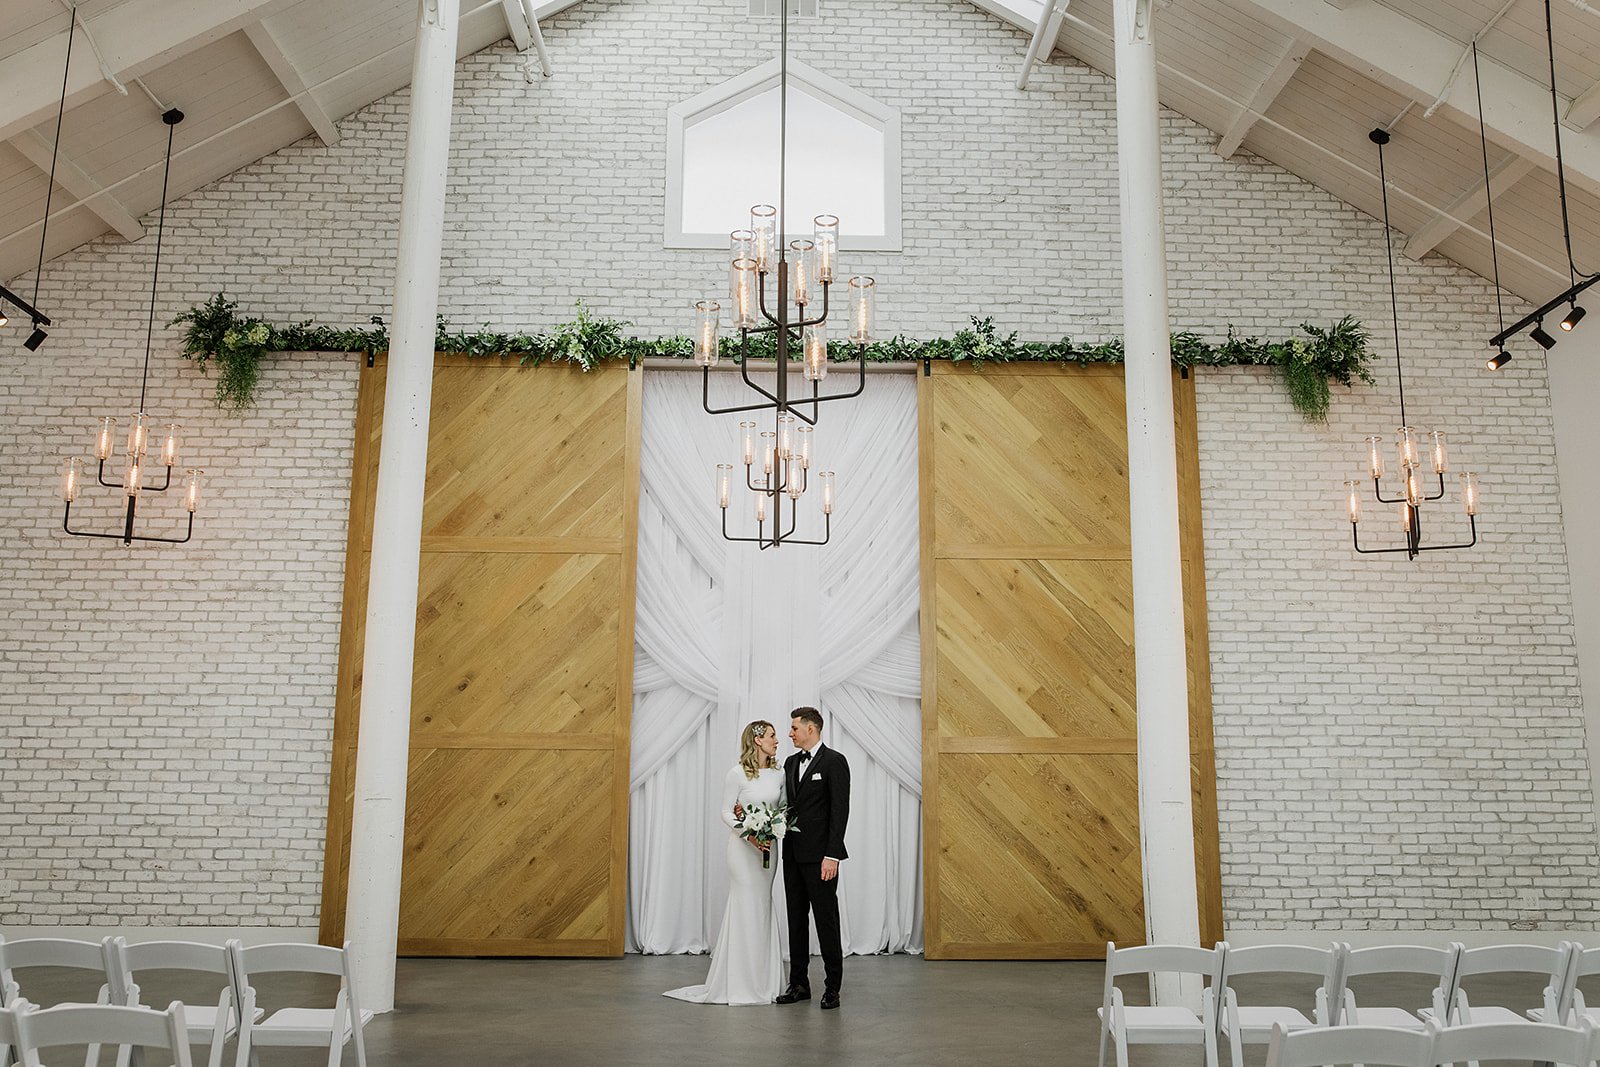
1122,1050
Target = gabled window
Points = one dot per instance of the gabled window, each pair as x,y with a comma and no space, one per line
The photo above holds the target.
722,156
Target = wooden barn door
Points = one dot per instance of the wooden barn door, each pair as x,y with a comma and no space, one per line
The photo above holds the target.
1030,794
517,796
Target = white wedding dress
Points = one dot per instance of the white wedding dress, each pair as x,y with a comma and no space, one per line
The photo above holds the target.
746,964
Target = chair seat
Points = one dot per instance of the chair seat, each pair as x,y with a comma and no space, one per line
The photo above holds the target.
202,1020
1537,1015
300,1026
1488,1013
1161,1025
1257,1020
1397,1017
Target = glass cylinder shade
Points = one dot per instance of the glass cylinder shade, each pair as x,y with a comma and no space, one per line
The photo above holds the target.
862,296
1352,499
802,271
802,447
793,479
1405,516
104,444
826,236
138,435
1469,492
707,319
169,446
747,442
1375,456
1440,464
785,436
71,479
132,475
815,363
768,439
191,490
724,484
761,507
1413,487
1406,442
743,305
741,245
826,478
764,227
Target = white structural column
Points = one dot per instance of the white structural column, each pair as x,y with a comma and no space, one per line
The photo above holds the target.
372,914
1166,821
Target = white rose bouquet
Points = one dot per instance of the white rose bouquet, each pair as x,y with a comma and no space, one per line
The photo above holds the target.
766,823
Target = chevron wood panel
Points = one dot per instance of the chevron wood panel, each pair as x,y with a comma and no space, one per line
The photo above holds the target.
516,818
1029,760
1028,458
506,844
1039,850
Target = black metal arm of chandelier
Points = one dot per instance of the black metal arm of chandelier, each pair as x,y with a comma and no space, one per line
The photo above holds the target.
139,429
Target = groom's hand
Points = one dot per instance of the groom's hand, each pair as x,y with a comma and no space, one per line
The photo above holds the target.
830,870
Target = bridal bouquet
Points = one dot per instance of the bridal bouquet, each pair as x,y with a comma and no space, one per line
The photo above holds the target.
766,823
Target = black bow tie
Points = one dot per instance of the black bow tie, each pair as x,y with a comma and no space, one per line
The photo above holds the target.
804,756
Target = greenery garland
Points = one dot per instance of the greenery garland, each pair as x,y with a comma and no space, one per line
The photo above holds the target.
215,332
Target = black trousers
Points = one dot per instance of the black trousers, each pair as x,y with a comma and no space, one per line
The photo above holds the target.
805,891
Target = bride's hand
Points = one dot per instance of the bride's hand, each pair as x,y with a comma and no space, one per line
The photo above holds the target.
757,845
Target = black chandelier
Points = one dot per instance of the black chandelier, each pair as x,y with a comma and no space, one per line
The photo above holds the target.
1408,439
1578,281
140,426
802,271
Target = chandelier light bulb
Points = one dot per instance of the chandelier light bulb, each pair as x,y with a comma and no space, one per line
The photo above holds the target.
169,446
802,448
768,439
764,224
131,477
191,490
108,434
761,508
826,478
5,319
815,363
72,479
741,245
1375,455
802,262
707,319
1352,496
1439,459
724,484
785,436
742,293
138,435
826,235
1406,441
1469,492
1413,488
793,480
747,441
1405,516
862,290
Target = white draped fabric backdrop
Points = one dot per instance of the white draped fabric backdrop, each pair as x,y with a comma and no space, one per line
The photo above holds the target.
727,634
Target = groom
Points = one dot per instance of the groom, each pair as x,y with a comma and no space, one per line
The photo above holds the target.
817,780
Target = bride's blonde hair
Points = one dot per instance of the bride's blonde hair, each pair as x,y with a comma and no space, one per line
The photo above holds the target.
751,758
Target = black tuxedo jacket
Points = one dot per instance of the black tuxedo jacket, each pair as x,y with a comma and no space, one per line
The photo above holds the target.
819,799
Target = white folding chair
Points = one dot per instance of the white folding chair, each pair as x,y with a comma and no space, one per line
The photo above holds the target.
209,1025
1252,1024
1521,1041
1336,1046
1122,1025
1544,961
328,1028
66,954
93,1025
1439,964
1566,1005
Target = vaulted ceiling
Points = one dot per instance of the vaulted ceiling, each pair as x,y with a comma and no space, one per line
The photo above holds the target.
1297,82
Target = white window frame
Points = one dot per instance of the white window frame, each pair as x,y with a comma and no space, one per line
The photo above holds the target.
752,83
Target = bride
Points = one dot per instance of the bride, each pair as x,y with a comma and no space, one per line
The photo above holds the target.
746,965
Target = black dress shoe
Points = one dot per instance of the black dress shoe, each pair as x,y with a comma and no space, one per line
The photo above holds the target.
794,994
830,1000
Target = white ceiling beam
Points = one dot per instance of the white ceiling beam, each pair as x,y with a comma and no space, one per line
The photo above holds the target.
288,75
136,38
1584,110
1502,176
1289,62
1043,42
75,180
1417,61
517,24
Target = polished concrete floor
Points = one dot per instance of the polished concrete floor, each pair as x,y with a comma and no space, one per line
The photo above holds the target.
897,1010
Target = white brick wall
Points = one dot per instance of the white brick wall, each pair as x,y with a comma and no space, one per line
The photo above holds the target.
162,702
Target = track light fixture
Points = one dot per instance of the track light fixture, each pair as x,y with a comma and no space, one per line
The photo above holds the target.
1574,317
35,339
1498,360
1545,341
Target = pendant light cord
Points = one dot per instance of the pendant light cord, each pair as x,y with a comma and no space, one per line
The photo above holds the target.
1394,299
61,114
155,273
1561,170
783,121
1488,193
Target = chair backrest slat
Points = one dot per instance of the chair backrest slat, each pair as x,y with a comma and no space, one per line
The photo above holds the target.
311,959
1547,960
175,956
1374,1046
1280,959
88,1024
1528,1042
52,952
